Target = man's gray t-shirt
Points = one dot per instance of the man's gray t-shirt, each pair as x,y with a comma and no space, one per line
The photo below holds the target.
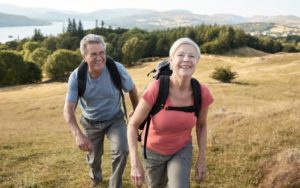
101,99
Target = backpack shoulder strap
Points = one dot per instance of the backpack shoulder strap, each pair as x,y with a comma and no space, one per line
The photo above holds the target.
163,92
116,78
160,102
197,96
81,77
114,72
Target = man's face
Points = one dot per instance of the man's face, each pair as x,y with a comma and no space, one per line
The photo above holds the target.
95,57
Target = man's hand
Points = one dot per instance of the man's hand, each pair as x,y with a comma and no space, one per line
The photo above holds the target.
83,142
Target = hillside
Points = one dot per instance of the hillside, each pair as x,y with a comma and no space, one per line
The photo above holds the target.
10,20
252,122
152,19
270,29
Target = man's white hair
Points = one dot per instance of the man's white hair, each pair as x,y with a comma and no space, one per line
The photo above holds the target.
91,39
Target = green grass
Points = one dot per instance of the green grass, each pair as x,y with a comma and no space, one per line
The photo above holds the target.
251,120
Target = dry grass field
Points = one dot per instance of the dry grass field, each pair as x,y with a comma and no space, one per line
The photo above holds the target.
252,120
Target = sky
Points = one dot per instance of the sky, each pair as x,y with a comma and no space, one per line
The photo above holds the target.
245,8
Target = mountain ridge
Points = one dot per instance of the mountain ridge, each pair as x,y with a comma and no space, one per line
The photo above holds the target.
147,18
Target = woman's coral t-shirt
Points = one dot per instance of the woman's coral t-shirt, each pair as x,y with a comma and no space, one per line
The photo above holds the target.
170,130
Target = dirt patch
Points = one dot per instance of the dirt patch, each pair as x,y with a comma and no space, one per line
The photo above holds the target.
282,171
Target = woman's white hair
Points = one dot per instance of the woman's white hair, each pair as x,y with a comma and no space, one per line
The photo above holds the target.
91,39
181,41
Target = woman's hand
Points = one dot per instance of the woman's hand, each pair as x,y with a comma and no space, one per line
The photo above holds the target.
200,170
137,173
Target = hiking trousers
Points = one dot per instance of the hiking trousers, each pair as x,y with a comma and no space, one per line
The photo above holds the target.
115,130
172,171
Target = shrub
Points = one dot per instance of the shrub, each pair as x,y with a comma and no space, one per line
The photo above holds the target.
61,63
223,74
14,71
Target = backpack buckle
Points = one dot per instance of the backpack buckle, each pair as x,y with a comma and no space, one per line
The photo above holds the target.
165,107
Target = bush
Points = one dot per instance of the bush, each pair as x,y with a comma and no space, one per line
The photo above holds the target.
14,71
13,68
39,56
61,63
223,74
34,73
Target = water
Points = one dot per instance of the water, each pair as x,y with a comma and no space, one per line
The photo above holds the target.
12,33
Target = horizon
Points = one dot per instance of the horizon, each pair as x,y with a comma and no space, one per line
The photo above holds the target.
245,9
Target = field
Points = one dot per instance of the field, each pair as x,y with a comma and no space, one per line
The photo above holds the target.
251,120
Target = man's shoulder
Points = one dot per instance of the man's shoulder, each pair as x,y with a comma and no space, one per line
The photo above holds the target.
73,75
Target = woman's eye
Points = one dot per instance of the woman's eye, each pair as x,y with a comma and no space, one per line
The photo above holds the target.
180,55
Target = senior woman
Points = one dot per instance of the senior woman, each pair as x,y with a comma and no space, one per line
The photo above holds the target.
169,147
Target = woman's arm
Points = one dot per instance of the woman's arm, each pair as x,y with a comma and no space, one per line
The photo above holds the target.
141,112
201,131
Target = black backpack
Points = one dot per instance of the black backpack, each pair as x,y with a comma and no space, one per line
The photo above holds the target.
162,73
114,73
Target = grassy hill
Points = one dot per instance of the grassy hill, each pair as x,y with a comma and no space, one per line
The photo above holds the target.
251,121
10,20
271,29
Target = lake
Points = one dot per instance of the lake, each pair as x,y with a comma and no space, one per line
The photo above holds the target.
12,33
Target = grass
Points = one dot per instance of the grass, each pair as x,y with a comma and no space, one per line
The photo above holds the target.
251,120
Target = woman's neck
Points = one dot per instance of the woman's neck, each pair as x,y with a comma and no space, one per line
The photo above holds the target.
181,83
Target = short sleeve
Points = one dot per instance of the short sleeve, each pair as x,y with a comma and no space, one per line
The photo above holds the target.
207,98
150,94
72,93
127,82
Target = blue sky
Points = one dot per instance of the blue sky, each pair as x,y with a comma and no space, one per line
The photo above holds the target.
238,7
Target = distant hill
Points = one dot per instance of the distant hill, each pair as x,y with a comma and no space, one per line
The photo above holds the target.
151,19
40,12
284,20
9,20
271,29
173,18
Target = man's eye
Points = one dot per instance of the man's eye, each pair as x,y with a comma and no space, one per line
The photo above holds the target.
180,55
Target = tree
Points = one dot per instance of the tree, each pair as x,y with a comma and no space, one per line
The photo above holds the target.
39,56
34,73
69,27
67,41
50,43
162,46
37,35
80,31
15,71
60,64
133,50
12,45
96,24
74,27
29,47
102,24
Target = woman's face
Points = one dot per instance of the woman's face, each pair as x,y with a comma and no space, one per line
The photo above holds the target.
183,62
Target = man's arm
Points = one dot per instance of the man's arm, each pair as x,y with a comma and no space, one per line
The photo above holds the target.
134,98
81,140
